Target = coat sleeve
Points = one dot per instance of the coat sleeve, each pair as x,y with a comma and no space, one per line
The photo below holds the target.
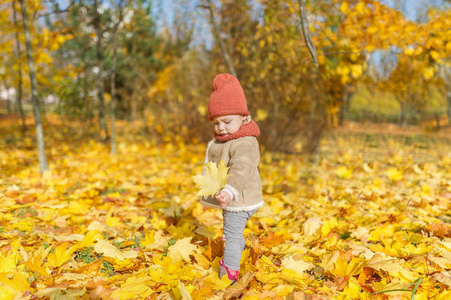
244,158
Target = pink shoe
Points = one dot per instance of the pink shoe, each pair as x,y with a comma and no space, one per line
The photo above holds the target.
232,274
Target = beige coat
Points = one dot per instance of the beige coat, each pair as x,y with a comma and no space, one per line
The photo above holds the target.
242,155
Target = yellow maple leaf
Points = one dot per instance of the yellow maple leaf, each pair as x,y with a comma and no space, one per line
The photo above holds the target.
13,286
34,264
60,255
378,262
288,275
183,292
182,250
149,238
311,226
215,178
346,269
89,239
328,226
296,265
443,277
8,262
60,293
134,287
283,290
352,291
109,250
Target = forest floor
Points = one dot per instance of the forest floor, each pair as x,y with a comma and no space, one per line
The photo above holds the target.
371,220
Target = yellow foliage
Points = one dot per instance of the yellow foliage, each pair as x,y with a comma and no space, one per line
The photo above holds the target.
344,172
60,255
134,227
182,250
10,286
134,287
346,269
215,178
108,250
394,174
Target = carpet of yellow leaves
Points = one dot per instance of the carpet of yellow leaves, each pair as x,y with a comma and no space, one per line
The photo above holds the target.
370,221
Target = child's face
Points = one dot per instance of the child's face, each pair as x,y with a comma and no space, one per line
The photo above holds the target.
226,125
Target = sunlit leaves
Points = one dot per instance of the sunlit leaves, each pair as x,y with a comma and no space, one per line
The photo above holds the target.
60,255
182,250
134,287
102,227
108,250
215,178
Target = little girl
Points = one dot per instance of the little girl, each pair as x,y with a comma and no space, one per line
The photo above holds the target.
235,142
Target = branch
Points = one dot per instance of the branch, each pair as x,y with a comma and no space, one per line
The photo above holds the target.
217,33
143,79
57,10
306,33
338,52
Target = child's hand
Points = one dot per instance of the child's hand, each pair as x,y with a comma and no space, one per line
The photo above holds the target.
224,199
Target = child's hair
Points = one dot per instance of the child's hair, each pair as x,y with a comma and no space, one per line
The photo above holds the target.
227,97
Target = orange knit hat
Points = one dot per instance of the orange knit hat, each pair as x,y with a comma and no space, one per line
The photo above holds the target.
227,97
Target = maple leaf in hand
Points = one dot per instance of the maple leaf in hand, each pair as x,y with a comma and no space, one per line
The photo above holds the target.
215,178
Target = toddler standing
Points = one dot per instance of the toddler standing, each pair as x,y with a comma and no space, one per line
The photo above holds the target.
235,142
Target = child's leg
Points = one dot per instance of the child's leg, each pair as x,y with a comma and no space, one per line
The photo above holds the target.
234,224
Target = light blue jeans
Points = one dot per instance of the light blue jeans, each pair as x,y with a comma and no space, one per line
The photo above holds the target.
234,224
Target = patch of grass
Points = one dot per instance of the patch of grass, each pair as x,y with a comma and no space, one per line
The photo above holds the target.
345,235
107,268
86,255
111,190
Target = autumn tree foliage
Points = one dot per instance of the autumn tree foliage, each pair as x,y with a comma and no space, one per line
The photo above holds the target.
371,220
270,57
162,73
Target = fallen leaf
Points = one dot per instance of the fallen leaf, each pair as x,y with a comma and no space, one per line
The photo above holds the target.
443,277
215,178
182,250
134,287
312,225
108,250
296,265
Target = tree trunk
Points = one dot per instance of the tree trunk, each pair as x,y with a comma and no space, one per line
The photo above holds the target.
8,98
217,34
344,106
120,7
100,61
113,96
447,77
134,107
306,32
19,73
448,93
317,120
34,92
437,121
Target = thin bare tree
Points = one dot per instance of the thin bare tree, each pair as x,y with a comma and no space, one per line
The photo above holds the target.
317,120
306,32
120,8
43,166
19,73
217,32
100,62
